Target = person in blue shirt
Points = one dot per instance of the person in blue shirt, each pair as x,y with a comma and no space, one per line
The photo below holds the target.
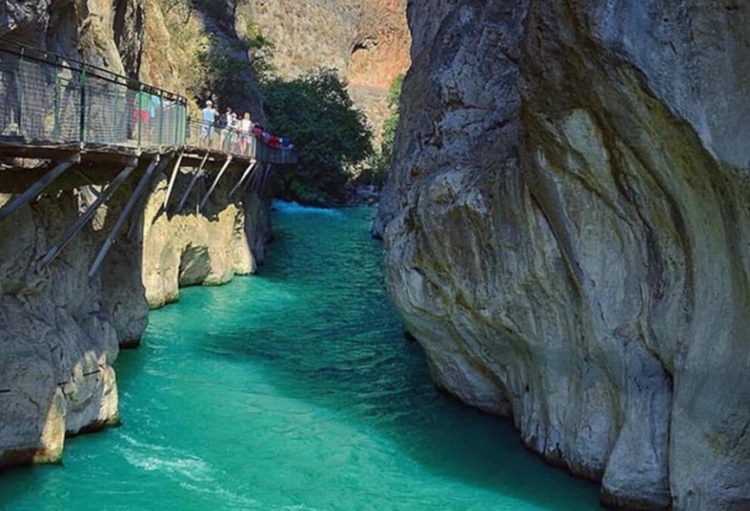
208,118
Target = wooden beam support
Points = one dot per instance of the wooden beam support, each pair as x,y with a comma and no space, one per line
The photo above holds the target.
141,205
83,219
142,185
197,174
247,172
34,190
172,179
216,181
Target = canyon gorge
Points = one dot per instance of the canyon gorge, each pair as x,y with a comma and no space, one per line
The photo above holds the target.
566,221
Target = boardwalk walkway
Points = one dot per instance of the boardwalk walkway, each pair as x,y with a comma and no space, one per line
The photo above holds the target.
74,124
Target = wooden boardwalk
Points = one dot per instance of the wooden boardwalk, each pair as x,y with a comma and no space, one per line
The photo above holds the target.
66,124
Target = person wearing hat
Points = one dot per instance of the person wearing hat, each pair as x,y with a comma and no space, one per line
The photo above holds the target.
208,117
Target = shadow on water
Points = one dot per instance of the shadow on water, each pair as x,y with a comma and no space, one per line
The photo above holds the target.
332,338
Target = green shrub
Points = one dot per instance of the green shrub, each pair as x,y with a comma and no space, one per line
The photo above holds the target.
329,134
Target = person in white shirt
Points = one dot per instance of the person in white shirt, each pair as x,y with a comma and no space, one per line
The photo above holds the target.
246,125
226,132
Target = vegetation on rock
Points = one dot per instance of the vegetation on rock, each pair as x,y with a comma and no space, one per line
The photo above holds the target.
378,165
330,135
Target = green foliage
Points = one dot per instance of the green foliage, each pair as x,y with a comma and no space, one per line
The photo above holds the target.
329,134
261,50
378,165
225,71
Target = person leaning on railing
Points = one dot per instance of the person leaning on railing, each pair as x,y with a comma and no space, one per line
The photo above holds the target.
208,118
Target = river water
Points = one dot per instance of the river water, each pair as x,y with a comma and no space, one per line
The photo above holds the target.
293,390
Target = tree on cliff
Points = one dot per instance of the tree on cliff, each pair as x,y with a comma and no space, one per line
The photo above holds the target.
330,135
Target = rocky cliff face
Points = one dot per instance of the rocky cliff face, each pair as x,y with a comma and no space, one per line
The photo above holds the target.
367,41
60,330
225,239
567,230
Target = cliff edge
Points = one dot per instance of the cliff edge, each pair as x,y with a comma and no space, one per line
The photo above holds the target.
567,224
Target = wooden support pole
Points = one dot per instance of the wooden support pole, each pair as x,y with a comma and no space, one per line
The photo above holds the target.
216,181
81,221
141,204
172,179
252,165
197,174
34,190
142,184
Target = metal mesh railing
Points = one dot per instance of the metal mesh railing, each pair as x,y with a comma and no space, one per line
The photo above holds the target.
47,97
235,142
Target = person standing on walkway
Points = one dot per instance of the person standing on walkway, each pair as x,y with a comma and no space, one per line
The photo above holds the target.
226,132
208,118
246,125
141,114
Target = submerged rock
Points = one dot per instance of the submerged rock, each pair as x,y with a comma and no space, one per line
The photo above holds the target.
566,228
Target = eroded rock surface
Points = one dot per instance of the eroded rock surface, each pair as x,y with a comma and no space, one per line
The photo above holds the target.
209,247
366,41
61,328
567,230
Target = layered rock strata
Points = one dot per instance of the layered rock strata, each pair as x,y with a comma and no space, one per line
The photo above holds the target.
566,227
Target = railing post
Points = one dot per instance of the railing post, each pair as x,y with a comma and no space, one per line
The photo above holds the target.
177,122
82,119
56,108
138,112
161,116
115,118
21,87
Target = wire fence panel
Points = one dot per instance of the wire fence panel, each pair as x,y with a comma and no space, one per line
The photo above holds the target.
50,98
236,142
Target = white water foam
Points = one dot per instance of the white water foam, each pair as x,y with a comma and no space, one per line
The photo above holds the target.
294,207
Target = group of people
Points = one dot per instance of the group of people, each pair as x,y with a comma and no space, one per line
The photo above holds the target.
237,135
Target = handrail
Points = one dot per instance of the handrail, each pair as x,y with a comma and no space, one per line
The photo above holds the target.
52,98
47,57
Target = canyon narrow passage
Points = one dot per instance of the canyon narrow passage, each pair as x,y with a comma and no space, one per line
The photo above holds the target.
293,389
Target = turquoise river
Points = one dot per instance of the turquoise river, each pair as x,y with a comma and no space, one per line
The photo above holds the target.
293,390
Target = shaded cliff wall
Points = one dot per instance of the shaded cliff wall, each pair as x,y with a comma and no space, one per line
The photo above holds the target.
225,239
567,230
61,328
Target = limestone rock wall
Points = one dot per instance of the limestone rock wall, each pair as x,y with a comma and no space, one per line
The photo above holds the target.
567,230
60,329
209,247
